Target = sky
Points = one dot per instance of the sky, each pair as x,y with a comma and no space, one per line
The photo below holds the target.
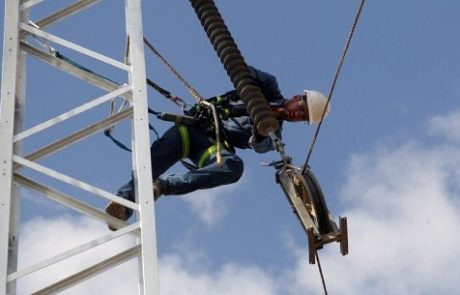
387,156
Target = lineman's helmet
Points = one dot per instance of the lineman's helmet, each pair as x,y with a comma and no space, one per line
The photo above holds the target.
308,107
316,102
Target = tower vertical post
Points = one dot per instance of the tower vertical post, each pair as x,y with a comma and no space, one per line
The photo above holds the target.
10,119
13,96
141,150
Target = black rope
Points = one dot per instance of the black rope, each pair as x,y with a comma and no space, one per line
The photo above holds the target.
68,60
122,145
321,273
334,82
160,89
116,141
175,99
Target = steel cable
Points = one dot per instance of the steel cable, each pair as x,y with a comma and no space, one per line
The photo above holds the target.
321,273
334,82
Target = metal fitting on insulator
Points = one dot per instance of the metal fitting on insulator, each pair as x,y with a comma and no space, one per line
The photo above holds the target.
237,69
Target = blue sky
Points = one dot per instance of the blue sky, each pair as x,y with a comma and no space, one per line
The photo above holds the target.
387,156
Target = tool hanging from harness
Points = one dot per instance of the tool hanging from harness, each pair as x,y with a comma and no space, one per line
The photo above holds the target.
197,116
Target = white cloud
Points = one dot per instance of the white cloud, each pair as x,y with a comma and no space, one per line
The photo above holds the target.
211,205
39,202
447,126
231,279
403,212
43,238
402,209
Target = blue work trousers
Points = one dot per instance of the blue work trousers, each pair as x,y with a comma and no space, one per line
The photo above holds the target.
168,150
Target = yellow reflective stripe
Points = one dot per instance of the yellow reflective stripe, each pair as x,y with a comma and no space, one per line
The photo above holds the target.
185,137
225,143
206,155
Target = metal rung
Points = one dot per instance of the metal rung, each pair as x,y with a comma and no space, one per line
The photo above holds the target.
90,272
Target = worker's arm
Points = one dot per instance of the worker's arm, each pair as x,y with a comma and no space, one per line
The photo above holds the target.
268,84
262,144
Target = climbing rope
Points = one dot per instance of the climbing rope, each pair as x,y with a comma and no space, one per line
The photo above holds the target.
334,82
175,99
195,94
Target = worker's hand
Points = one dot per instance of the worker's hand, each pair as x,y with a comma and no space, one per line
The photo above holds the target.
261,144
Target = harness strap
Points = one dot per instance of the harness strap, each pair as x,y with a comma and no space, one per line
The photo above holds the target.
185,137
211,151
219,99
206,155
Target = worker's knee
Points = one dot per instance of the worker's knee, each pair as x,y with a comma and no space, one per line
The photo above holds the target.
236,167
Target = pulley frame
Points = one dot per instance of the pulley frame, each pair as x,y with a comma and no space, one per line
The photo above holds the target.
309,205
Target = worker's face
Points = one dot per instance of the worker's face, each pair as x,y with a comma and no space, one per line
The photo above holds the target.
296,109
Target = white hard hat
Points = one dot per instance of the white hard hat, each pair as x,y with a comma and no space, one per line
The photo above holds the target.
316,102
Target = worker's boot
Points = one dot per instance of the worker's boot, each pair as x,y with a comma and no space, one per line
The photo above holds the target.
116,210
158,188
121,212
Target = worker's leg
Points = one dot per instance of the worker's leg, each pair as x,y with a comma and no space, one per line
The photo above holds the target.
164,152
207,177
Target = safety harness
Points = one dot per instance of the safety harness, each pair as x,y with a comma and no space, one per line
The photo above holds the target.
199,117
185,137
205,156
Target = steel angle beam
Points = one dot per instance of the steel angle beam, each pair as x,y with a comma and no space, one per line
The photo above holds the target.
73,70
90,272
29,4
73,252
73,46
148,264
75,182
11,105
68,201
62,14
134,93
77,136
69,114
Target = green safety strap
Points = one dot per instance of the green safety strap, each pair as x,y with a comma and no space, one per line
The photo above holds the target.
206,155
225,143
184,135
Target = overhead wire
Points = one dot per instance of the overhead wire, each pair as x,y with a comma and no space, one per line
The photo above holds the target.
329,97
321,273
334,82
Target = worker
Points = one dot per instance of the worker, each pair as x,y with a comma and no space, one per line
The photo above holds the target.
197,143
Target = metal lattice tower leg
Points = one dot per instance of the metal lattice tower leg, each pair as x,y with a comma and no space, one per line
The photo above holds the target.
13,94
